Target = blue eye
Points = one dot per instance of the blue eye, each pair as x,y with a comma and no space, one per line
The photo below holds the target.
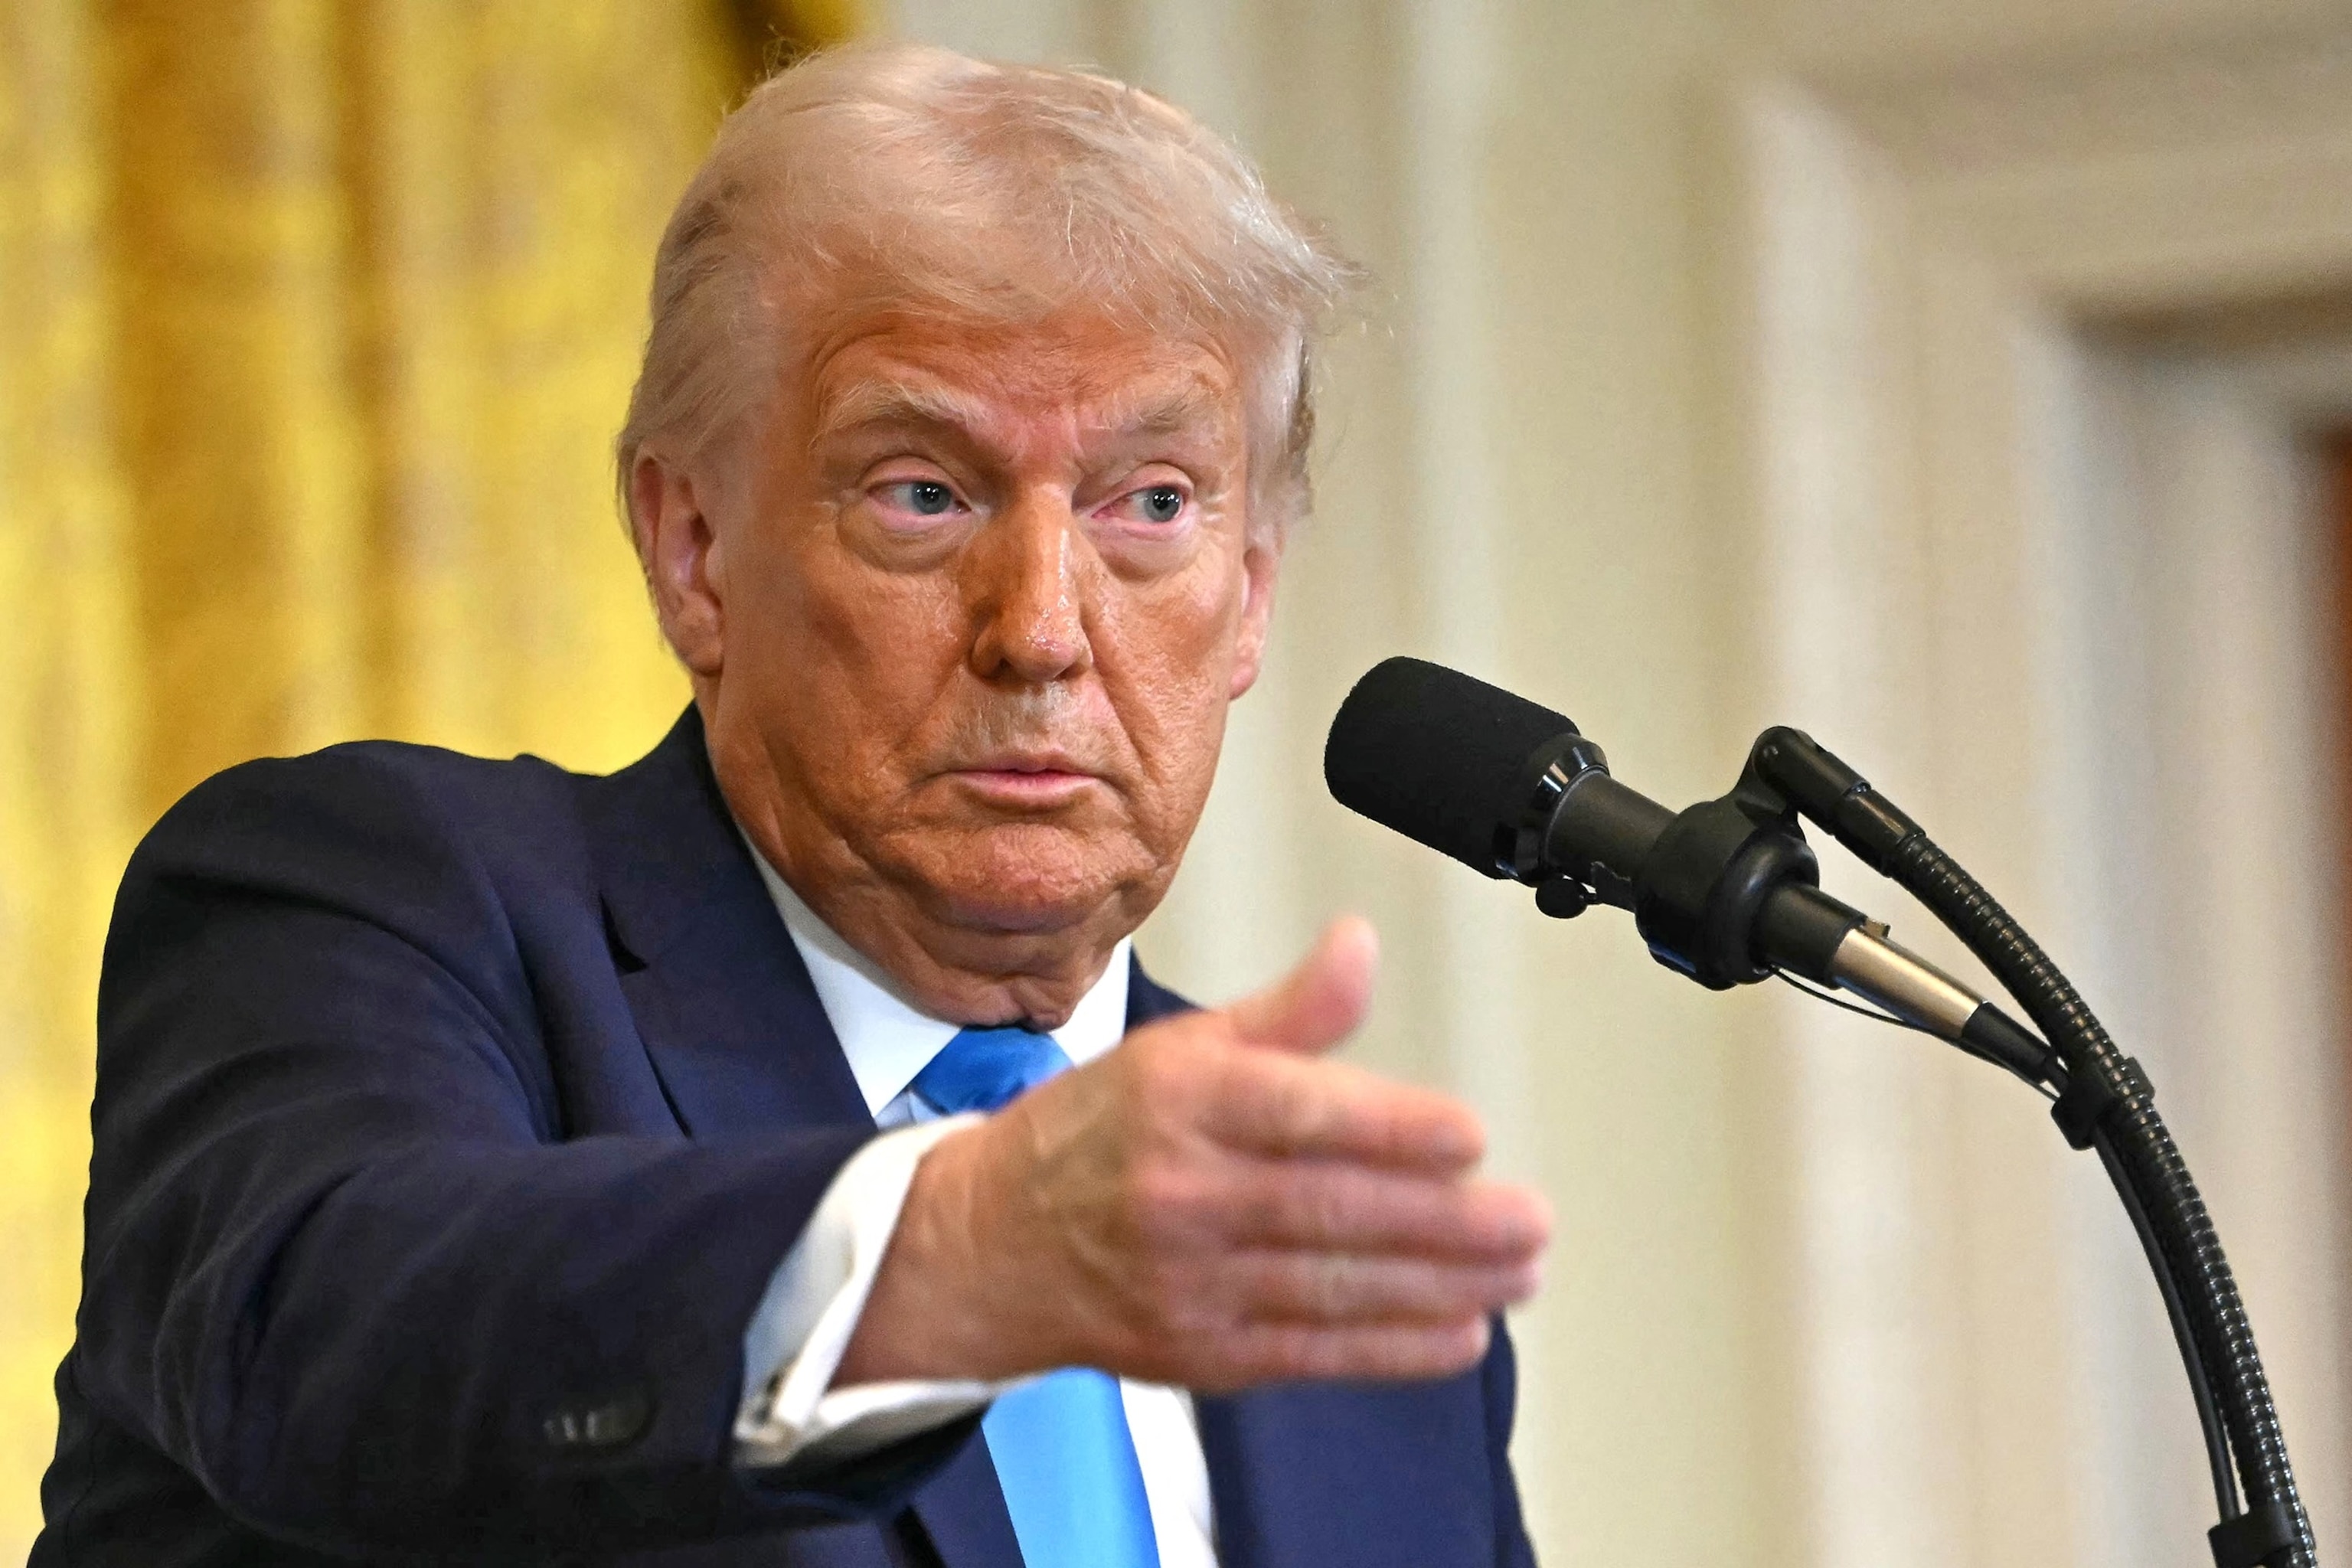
1161,503
929,498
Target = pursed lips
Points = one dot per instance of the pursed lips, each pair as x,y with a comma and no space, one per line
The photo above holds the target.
1026,778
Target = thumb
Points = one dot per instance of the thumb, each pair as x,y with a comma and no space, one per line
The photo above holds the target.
1320,1003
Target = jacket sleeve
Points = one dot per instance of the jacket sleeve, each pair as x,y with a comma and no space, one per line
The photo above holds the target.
338,1265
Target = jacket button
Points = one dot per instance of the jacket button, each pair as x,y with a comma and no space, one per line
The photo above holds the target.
610,1425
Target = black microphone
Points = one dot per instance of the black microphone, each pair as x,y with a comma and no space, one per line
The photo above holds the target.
1479,773
1725,892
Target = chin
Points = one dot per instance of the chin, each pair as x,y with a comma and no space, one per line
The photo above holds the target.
1029,879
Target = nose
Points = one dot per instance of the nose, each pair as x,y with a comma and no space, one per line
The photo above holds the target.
1021,580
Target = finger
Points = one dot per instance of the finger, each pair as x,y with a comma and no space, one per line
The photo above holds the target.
1337,1288
1320,1003
1349,1208
1272,1104
1277,1352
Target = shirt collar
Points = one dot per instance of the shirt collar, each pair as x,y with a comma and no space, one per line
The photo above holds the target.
887,1039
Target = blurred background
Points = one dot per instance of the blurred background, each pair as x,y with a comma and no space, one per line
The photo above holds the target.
1966,381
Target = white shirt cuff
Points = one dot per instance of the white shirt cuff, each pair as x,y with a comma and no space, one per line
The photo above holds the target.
794,1346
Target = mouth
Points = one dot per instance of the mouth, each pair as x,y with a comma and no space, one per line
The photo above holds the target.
1029,779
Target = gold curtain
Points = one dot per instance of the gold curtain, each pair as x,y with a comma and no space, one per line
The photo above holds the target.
316,319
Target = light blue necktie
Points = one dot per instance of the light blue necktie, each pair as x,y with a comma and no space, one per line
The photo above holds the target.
1063,1453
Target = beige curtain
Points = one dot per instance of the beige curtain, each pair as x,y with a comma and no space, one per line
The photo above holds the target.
317,318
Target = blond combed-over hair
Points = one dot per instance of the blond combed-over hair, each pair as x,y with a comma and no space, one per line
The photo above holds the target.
907,178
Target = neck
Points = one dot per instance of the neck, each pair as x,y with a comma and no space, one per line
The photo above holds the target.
958,973
818,934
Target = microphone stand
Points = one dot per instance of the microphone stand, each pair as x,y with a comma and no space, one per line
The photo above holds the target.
1727,894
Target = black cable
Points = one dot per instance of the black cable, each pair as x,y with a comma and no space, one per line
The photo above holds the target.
1825,995
2201,1385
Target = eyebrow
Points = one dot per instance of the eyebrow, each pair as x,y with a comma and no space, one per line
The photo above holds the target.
884,404
1163,415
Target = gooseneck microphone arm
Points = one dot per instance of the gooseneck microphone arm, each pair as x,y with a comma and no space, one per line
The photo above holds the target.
1726,892
2108,1105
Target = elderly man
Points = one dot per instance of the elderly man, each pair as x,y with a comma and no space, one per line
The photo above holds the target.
689,1167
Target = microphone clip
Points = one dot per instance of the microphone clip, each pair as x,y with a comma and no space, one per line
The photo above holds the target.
1700,897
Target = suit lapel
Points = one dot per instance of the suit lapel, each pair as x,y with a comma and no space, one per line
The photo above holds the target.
722,1001
1147,1001
734,1029
962,1510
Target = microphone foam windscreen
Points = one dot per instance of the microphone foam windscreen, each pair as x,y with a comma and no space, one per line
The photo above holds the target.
1436,755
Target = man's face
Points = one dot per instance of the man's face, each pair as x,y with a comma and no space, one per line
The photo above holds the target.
984,595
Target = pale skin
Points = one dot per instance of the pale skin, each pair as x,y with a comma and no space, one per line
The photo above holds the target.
963,609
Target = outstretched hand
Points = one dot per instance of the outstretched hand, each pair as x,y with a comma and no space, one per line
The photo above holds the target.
1212,1205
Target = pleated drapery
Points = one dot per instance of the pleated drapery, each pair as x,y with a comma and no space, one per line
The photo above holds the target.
316,319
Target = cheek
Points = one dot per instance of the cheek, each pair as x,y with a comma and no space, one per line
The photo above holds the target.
1168,660
838,610
847,653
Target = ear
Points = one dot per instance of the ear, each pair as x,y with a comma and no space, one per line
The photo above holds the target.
678,547
1261,564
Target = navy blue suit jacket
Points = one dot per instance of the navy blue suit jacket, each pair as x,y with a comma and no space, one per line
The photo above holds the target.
451,1117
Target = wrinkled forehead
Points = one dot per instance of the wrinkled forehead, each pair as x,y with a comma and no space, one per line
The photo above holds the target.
1082,374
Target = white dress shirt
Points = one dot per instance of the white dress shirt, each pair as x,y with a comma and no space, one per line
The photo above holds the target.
804,1324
